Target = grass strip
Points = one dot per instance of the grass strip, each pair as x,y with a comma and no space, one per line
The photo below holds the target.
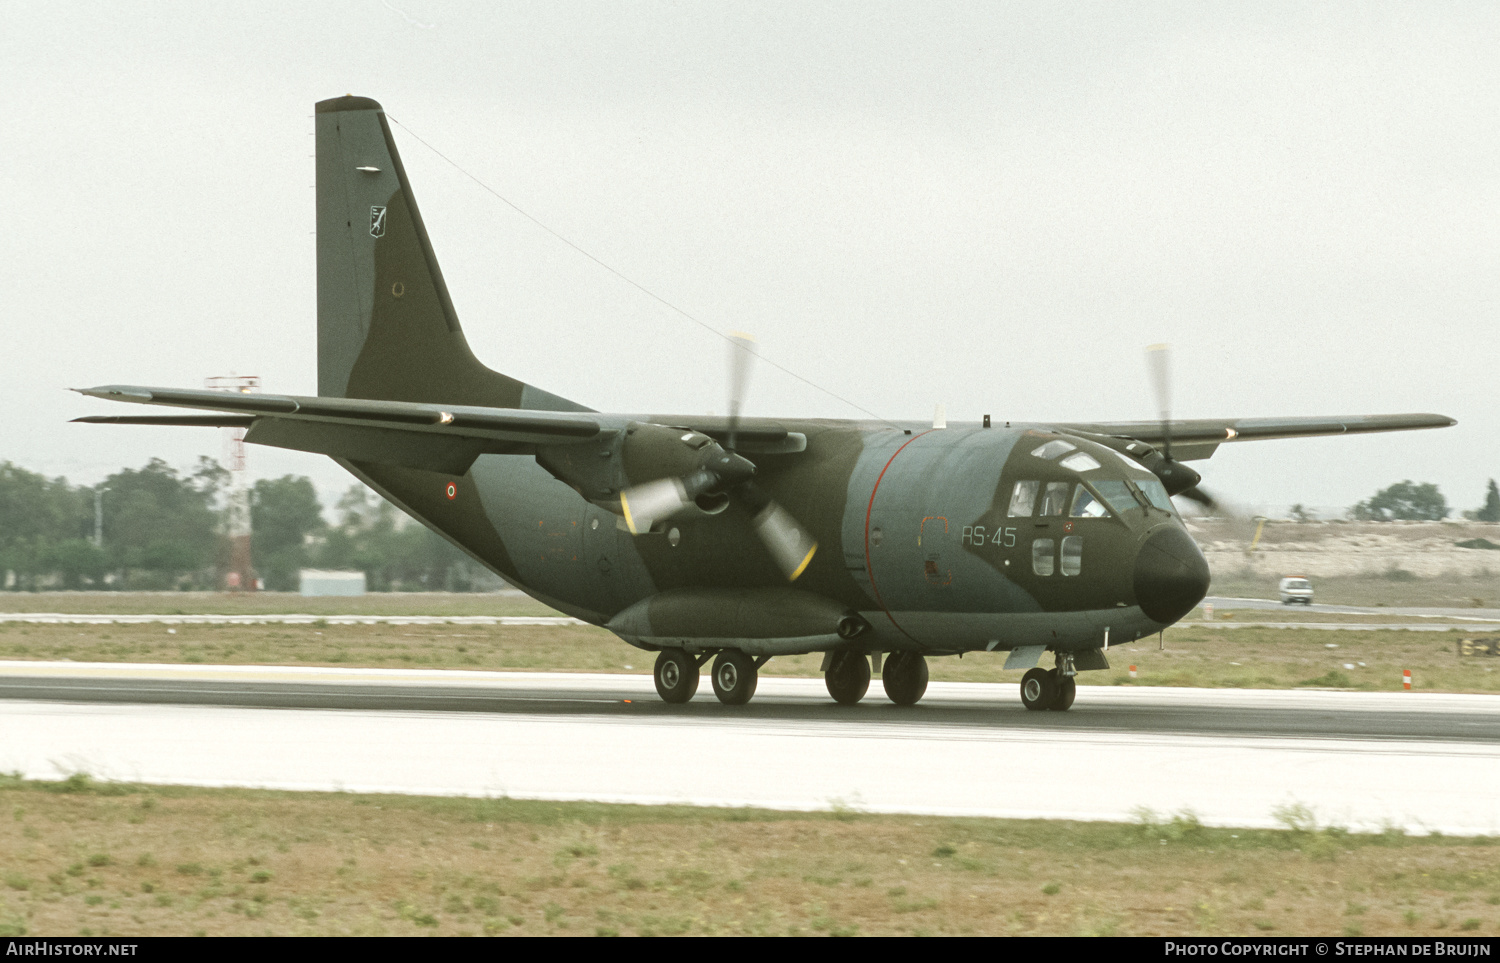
95,859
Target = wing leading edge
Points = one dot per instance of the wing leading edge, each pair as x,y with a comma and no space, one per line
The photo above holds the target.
1198,438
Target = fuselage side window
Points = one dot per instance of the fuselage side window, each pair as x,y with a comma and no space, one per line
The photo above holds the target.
1085,505
1072,555
1023,499
1042,555
1055,499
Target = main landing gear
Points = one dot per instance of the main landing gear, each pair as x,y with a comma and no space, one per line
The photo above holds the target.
676,675
905,677
848,677
1047,689
734,676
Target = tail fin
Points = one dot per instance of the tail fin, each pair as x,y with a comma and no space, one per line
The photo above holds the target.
386,326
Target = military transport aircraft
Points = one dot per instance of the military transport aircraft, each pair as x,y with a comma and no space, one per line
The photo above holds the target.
736,539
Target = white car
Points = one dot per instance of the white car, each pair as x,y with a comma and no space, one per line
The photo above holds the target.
1296,589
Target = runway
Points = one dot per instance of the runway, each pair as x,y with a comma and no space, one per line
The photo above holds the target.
1364,760
70,618
1228,603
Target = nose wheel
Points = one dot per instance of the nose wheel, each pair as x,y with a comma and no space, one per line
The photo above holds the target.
1043,689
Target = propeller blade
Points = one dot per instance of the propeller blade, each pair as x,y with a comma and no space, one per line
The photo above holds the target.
1217,505
790,546
646,504
1197,494
742,349
1159,367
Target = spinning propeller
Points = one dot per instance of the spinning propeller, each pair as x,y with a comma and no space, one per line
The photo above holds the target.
1177,477
720,474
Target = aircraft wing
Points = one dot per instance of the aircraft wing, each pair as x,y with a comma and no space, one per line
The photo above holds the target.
434,437
1198,438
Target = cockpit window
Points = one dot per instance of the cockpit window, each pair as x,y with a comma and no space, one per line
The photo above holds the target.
1053,448
1023,499
1116,495
1156,492
1055,499
1080,462
1085,505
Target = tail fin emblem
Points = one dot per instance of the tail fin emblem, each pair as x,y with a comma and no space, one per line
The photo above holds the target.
377,222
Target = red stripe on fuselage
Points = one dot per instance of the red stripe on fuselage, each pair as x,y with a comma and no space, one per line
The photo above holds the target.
869,568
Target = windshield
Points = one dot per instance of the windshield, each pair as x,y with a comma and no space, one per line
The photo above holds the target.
1117,495
1156,492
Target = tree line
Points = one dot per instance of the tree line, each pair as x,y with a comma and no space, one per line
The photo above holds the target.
157,528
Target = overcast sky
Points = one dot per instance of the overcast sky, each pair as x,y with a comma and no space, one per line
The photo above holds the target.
994,206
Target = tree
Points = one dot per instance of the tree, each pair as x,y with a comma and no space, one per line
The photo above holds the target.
1491,510
394,552
36,515
1404,501
284,516
1301,514
162,529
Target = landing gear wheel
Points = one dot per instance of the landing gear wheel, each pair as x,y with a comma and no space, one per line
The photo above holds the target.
1038,689
734,677
848,677
676,675
1066,688
905,677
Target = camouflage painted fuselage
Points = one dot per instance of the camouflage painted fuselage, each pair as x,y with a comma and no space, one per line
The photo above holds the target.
914,527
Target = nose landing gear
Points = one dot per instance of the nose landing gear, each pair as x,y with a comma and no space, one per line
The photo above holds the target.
1054,689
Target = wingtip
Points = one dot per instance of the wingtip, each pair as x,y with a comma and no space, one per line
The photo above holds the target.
115,392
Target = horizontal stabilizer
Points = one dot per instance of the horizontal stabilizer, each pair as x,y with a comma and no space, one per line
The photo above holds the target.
527,426
179,421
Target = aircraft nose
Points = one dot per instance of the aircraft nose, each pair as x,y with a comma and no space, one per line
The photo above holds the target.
1171,575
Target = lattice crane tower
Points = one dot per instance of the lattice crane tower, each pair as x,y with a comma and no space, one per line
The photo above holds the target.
241,573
